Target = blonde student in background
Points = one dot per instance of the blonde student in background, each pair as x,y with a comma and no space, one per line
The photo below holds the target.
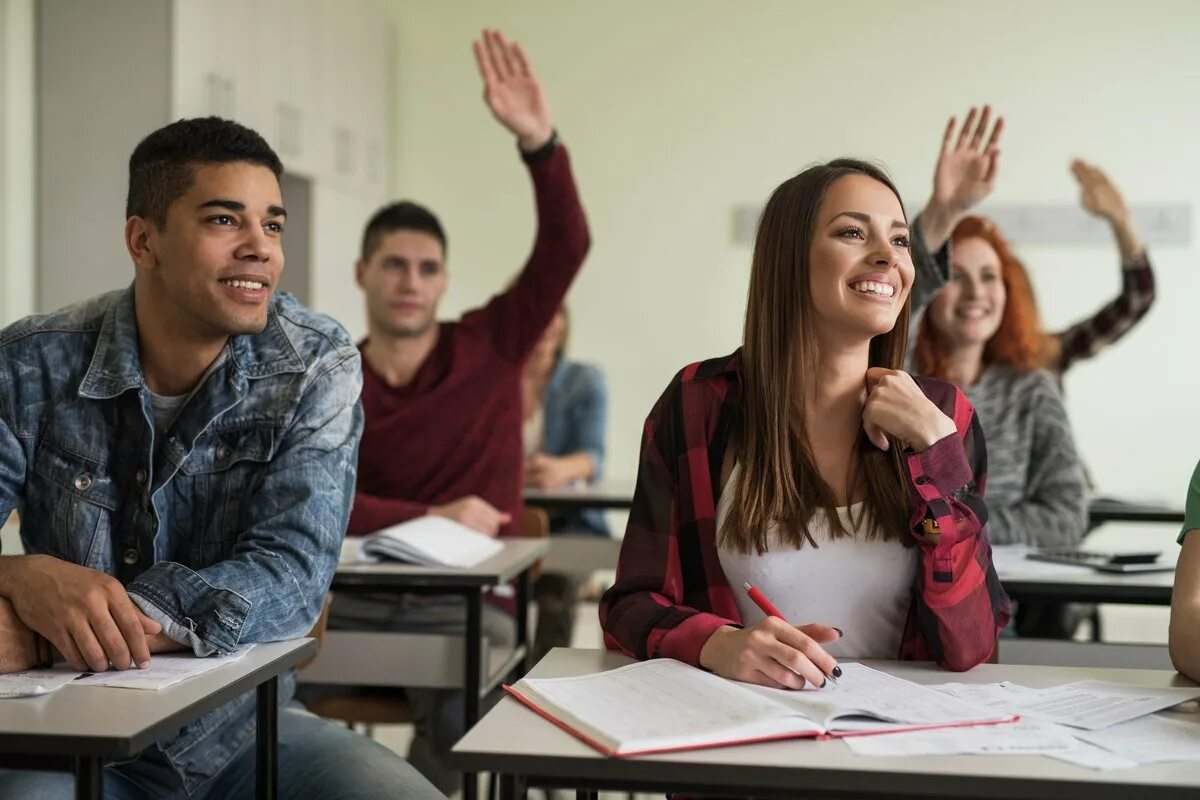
808,464
1185,601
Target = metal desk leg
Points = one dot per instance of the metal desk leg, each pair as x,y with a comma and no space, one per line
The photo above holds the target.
267,765
524,590
473,678
89,778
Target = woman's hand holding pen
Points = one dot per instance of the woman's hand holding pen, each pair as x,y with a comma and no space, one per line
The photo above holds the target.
772,653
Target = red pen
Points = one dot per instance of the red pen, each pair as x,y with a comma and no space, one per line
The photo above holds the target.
770,610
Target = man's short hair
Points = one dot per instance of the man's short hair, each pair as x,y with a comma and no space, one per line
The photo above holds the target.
401,216
163,164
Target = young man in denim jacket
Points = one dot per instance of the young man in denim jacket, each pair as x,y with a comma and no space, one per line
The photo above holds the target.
182,454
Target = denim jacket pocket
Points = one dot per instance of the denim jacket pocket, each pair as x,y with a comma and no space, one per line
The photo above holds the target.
226,461
74,504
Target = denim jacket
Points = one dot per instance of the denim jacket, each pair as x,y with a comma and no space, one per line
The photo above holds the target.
228,530
575,404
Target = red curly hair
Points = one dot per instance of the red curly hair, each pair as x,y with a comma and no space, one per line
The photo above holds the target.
1019,342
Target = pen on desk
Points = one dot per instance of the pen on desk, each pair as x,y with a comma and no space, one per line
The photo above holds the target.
770,610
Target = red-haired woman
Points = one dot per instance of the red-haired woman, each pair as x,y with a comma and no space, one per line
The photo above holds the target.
808,464
983,333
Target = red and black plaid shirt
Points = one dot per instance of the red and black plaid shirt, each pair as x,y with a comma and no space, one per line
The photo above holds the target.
670,592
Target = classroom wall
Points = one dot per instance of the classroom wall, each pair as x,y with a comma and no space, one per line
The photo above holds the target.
16,159
678,111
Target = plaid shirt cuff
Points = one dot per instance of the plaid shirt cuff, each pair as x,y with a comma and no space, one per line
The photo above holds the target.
685,641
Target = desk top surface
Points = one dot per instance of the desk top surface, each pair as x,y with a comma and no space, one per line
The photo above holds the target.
513,738
516,557
116,723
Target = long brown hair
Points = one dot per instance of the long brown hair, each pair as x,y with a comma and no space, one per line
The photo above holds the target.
1019,342
778,483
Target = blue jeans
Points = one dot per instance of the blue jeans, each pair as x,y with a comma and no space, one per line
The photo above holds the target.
317,759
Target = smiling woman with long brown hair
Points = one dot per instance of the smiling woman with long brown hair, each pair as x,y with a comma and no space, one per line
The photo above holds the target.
808,464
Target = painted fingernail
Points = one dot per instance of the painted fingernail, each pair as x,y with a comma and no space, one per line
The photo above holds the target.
824,683
836,672
840,634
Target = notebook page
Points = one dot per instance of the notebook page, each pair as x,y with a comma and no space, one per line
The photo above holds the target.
660,703
866,692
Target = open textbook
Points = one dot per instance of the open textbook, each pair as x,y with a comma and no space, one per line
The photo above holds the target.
664,705
430,541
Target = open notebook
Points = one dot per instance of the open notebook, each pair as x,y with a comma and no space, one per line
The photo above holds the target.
430,541
663,705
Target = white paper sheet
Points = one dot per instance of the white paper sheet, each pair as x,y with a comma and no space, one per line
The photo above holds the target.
35,682
1088,755
1093,705
1150,739
164,670
1022,738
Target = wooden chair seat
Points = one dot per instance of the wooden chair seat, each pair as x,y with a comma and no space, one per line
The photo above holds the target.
388,707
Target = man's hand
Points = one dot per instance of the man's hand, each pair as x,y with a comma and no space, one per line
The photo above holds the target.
965,175
20,647
511,90
86,615
474,512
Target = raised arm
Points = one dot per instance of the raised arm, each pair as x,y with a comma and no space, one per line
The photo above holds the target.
964,176
1086,338
515,319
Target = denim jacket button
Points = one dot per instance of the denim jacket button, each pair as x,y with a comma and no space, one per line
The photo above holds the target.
130,556
83,482
141,477
223,452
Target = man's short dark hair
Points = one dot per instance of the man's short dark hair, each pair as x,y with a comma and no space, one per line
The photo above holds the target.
401,216
164,163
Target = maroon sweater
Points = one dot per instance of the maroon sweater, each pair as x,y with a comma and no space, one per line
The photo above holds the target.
455,429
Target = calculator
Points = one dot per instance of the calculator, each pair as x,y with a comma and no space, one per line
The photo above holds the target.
1146,561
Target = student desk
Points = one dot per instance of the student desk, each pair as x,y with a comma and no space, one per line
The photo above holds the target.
77,728
1107,509
515,562
604,494
527,749
1027,579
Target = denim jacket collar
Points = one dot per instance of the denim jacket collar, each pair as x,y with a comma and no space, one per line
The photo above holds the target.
116,367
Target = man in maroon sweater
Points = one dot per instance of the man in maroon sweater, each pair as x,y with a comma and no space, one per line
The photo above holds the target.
442,400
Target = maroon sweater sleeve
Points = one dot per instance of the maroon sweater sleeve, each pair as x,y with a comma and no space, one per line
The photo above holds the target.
515,320
370,513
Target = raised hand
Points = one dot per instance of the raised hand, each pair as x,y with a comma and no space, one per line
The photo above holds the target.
964,176
1099,196
512,91
966,168
1097,193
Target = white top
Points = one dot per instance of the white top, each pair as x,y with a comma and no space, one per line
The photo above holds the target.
862,586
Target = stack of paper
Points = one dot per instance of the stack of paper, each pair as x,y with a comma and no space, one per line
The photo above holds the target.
1092,724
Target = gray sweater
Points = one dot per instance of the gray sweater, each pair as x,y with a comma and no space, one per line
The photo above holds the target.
1035,488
